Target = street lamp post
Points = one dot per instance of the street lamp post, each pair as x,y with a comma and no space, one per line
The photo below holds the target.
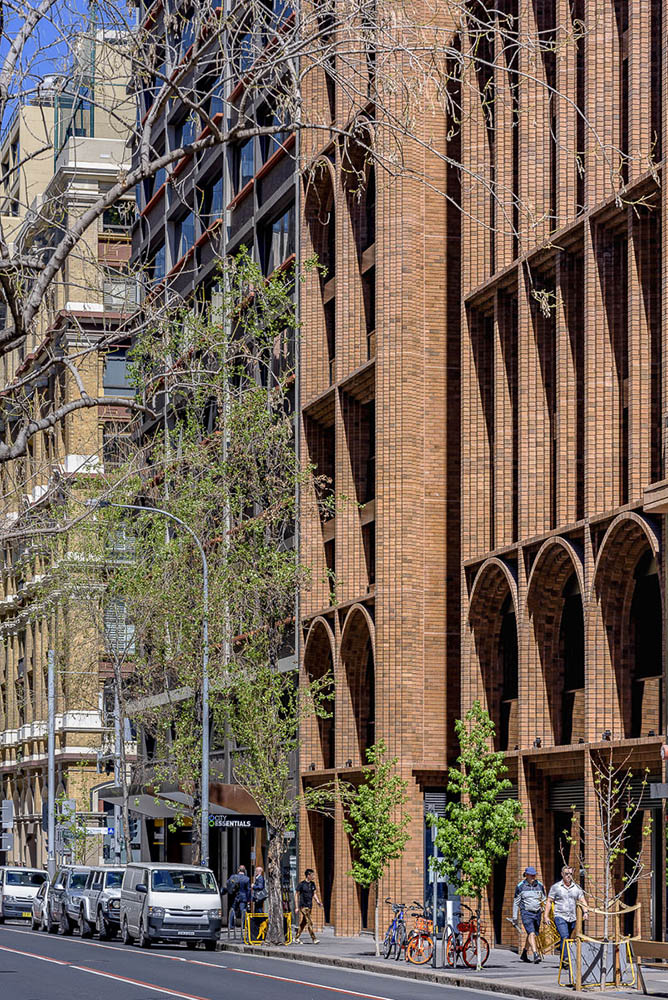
205,663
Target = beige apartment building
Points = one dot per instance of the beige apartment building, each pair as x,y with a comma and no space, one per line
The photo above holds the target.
67,151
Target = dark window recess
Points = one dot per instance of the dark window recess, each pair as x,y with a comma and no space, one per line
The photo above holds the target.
369,542
370,209
116,446
330,564
279,240
115,379
184,236
571,647
119,218
369,293
244,167
320,441
269,118
244,54
211,202
508,734
330,331
156,267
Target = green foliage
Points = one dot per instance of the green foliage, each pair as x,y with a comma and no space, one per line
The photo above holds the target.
477,830
374,817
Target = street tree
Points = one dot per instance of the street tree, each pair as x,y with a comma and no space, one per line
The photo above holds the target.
477,829
375,820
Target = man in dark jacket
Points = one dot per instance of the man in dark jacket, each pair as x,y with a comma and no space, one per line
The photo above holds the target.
237,889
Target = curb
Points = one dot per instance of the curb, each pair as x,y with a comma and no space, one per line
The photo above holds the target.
404,971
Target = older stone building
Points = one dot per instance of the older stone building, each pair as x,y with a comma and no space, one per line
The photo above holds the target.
85,149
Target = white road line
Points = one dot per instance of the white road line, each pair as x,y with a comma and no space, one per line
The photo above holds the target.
107,975
114,947
314,986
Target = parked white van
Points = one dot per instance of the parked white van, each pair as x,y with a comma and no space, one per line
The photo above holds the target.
168,902
18,888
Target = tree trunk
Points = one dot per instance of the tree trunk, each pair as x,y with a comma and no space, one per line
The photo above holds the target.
275,934
375,922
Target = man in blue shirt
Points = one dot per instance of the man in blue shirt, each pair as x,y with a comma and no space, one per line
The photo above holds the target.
529,895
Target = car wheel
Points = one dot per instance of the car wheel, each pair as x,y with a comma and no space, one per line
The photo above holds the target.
210,945
191,945
143,940
50,926
126,936
65,924
102,927
85,929
34,924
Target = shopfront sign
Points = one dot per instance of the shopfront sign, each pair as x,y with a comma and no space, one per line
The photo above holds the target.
235,822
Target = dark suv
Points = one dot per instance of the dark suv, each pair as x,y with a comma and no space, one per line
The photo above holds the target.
64,899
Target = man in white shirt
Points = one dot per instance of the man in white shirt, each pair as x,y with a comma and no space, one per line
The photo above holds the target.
563,897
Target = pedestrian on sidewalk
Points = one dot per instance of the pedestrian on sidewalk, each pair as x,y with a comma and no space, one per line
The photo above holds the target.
258,891
237,888
305,893
562,899
529,895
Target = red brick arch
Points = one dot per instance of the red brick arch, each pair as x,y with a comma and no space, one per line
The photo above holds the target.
555,563
628,538
493,584
319,659
357,660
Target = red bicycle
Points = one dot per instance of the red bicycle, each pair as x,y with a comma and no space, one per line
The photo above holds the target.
464,942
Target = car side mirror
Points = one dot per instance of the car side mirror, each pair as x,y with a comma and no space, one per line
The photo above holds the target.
142,888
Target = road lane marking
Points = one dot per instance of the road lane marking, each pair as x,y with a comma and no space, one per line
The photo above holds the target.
315,986
114,947
107,975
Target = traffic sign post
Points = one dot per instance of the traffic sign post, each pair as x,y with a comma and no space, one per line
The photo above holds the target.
7,814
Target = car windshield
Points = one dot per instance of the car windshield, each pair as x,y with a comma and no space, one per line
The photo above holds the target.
33,879
183,881
78,880
114,880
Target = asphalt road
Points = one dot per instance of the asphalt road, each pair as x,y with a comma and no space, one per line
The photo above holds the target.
37,966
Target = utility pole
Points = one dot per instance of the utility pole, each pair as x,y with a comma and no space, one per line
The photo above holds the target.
51,782
118,736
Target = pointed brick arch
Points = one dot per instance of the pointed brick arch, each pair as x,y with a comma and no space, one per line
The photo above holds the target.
494,586
629,537
555,563
357,695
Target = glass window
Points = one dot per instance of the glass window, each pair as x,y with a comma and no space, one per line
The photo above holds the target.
78,880
156,267
185,235
26,878
245,167
270,143
211,202
279,240
115,380
118,218
244,54
114,880
168,880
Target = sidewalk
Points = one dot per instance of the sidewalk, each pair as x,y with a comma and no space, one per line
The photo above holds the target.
503,973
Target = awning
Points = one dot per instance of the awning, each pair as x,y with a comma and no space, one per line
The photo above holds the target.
225,800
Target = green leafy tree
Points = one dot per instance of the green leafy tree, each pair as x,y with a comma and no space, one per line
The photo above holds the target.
376,821
477,830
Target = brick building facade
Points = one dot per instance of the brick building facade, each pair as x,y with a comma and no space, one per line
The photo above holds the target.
517,561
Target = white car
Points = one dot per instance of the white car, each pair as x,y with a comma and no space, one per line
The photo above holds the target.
18,888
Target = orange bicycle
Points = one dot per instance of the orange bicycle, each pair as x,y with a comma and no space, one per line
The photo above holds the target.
420,944
464,942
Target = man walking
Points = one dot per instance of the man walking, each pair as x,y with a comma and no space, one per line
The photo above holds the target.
562,898
305,893
529,895
238,890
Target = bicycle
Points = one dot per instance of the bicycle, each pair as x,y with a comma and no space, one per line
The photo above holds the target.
420,946
466,946
395,935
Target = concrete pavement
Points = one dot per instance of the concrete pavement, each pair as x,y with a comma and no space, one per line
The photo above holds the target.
503,973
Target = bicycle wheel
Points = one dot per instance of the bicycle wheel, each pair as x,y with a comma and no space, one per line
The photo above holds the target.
402,939
451,951
470,952
420,949
389,943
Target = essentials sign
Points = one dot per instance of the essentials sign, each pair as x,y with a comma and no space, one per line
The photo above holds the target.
235,822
